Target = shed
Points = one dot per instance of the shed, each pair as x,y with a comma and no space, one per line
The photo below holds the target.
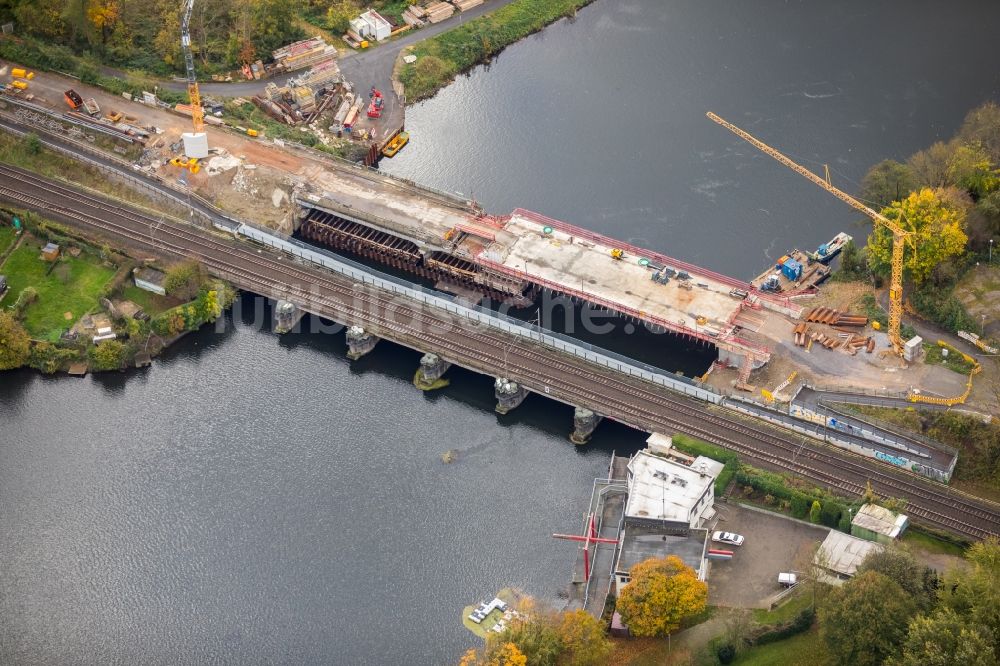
50,252
876,523
841,554
150,279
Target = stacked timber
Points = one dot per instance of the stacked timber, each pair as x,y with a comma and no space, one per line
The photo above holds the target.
466,5
835,317
439,11
321,75
848,341
299,55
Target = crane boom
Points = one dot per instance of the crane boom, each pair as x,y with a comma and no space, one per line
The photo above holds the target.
197,114
899,234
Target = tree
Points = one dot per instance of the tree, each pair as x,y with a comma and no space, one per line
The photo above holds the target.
864,622
886,182
970,168
15,345
975,595
982,126
815,511
534,636
661,594
852,261
184,280
583,638
945,639
930,166
503,654
109,355
900,567
938,234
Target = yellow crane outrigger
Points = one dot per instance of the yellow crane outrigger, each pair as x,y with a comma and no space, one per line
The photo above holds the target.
899,235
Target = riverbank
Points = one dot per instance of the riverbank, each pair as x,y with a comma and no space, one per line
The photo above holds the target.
442,58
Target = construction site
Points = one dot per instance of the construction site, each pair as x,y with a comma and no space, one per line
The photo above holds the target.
453,245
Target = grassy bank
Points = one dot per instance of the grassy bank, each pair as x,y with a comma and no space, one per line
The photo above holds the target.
442,58
67,289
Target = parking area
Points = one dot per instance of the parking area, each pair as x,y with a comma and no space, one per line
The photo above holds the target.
773,544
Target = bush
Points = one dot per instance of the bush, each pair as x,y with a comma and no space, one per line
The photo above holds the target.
49,358
726,653
814,511
109,355
799,624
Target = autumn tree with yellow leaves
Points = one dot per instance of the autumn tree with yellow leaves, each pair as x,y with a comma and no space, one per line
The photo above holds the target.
938,228
661,594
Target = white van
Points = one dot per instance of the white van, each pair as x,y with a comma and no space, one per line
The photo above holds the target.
787,579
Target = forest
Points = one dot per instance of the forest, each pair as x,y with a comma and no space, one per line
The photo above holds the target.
145,34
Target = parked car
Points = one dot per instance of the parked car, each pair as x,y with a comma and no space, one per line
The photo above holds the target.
728,537
787,579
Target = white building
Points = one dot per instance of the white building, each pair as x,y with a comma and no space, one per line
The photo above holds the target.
371,25
670,498
669,494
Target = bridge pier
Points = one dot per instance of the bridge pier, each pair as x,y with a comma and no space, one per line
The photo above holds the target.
286,316
584,423
509,394
429,374
359,342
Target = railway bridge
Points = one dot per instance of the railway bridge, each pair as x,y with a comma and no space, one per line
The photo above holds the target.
598,384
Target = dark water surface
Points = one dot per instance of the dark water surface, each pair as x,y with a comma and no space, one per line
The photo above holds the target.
251,499
600,121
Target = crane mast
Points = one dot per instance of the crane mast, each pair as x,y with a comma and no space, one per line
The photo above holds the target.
197,114
899,235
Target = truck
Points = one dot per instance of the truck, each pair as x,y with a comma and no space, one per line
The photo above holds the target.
19,73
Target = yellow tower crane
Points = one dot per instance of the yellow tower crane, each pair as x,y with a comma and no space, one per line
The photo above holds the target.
197,115
899,235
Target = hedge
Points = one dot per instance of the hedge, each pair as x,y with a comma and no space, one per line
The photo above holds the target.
800,623
799,502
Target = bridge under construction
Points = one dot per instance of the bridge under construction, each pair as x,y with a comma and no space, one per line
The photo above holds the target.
515,257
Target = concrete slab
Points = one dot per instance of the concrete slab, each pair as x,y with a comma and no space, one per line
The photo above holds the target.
583,265
773,545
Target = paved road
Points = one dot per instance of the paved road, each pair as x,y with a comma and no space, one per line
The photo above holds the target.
364,69
561,376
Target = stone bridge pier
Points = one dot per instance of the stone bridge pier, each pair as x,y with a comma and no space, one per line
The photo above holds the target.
430,373
584,423
359,342
509,394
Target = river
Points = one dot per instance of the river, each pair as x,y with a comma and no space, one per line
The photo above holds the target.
255,499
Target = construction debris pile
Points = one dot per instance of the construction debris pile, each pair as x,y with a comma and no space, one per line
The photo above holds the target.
299,55
308,95
843,339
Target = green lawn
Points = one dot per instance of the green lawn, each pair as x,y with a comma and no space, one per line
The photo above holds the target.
6,238
802,650
153,304
797,602
72,286
931,543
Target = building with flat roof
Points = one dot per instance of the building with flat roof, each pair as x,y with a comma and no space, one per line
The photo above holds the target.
668,494
841,554
877,523
670,499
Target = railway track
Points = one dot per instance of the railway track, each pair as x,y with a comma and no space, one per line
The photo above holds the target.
561,376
